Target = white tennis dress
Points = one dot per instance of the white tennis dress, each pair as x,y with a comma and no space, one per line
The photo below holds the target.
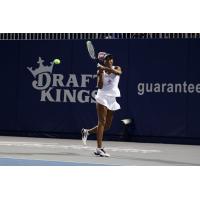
107,95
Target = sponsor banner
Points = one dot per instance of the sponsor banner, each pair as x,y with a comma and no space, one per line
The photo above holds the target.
160,86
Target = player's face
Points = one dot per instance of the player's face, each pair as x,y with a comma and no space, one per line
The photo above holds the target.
108,62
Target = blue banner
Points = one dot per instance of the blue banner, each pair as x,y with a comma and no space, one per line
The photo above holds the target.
160,86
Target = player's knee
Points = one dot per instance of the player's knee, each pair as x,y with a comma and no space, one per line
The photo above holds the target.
102,122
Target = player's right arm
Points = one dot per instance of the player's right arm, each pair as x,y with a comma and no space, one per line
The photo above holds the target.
100,78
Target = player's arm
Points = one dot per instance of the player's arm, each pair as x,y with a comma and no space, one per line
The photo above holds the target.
100,78
117,70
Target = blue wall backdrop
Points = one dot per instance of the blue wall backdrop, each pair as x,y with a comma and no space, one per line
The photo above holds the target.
160,86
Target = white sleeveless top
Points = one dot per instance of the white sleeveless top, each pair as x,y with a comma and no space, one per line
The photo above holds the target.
110,85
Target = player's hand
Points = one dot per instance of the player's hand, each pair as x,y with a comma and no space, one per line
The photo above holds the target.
100,67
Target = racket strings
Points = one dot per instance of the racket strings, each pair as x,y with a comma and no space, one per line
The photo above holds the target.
91,50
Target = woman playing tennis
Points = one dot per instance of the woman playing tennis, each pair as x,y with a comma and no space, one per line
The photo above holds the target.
107,81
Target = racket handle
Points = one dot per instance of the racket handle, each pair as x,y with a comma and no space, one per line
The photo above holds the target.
98,65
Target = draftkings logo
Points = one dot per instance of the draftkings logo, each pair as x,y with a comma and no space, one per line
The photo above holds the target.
54,87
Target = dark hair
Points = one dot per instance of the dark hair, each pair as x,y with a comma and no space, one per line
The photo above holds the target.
108,56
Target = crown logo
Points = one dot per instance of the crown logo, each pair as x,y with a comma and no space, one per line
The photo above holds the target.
41,68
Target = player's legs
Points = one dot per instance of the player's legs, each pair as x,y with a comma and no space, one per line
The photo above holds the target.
109,118
87,132
105,117
99,129
92,130
102,114
108,124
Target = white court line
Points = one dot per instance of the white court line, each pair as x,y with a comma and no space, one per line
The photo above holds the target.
76,147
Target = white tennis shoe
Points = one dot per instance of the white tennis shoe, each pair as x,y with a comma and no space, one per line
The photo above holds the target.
101,152
85,134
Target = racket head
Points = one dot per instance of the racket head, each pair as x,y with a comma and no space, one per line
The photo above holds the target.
91,49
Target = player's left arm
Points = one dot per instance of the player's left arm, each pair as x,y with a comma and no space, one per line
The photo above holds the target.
117,70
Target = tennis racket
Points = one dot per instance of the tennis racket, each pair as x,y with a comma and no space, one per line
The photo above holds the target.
91,52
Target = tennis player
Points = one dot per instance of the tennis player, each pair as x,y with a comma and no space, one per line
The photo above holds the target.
108,77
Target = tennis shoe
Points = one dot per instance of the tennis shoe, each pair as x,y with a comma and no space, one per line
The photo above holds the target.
84,133
101,152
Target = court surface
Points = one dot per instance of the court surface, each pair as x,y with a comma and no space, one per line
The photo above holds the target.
22,151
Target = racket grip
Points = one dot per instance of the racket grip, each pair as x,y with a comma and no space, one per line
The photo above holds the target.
98,65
